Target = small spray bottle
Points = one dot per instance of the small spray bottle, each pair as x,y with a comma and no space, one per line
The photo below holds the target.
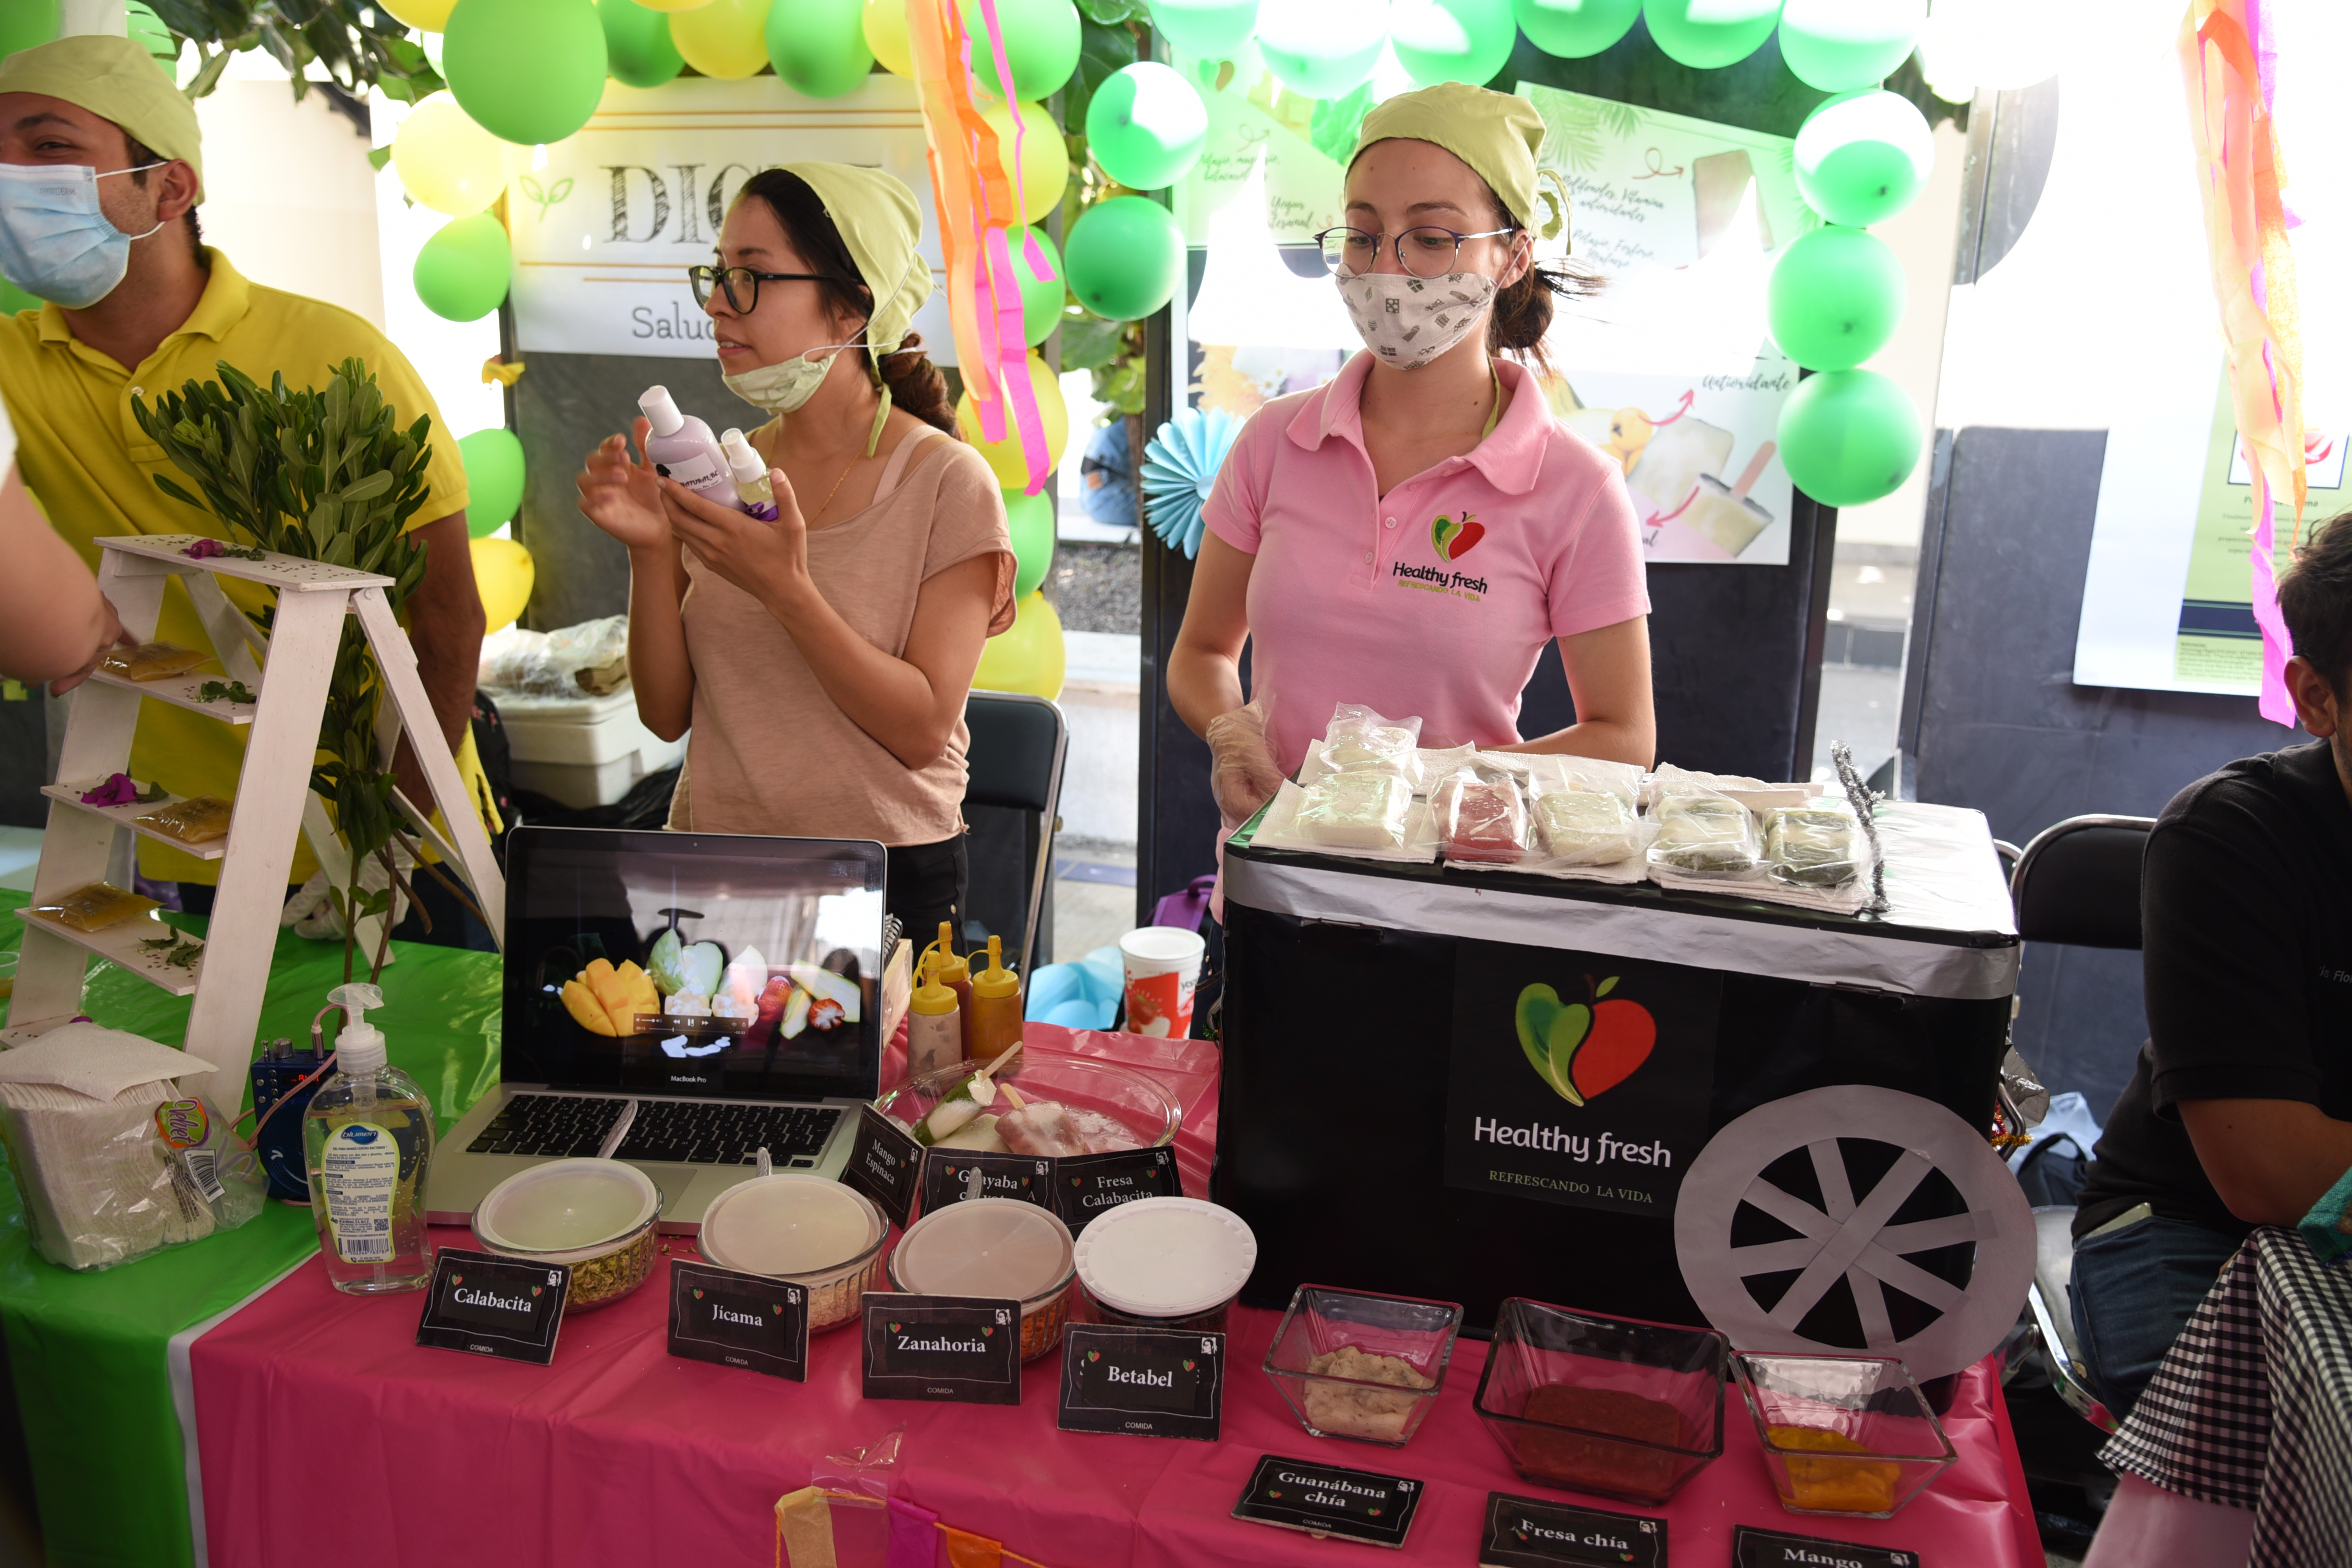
366,1138
753,492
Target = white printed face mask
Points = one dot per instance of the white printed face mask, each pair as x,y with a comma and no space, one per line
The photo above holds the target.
55,242
1408,321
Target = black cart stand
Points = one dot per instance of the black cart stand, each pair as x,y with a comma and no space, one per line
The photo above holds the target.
1406,1047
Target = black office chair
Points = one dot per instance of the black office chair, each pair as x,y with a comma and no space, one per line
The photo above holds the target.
2077,884
1018,744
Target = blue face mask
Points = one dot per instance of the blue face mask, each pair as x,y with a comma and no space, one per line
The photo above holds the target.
55,242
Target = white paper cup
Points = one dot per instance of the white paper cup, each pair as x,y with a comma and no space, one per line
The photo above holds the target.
1163,966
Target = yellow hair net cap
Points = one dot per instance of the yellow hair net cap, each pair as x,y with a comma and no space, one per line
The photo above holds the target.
1496,134
115,79
880,223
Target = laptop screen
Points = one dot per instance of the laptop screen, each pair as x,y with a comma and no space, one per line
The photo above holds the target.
694,964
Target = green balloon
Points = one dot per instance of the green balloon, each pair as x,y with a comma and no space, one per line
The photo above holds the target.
1031,519
1321,48
1841,46
1849,436
1707,34
526,70
1205,29
1146,126
149,32
818,46
13,299
1452,40
461,272
25,23
1861,158
637,50
1575,29
1125,257
1040,45
1834,298
493,460
1041,298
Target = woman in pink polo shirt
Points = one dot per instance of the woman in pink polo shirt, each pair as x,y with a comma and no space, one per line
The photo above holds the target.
1409,535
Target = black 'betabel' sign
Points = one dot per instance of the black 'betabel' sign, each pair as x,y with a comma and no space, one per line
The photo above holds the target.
1144,1383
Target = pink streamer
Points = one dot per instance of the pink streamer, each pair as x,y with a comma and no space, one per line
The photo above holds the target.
914,1541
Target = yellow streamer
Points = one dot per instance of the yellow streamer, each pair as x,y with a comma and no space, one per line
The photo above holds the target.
805,1529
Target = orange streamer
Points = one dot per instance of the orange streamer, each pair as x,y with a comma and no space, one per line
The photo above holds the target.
2240,176
966,1550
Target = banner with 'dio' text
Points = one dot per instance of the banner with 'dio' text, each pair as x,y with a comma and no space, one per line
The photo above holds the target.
604,231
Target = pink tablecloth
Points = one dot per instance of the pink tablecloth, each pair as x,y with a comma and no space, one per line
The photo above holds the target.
323,1428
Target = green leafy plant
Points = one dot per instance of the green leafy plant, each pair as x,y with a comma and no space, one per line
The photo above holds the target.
362,45
326,474
225,691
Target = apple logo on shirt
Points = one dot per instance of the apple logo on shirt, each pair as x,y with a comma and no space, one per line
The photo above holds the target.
1454,540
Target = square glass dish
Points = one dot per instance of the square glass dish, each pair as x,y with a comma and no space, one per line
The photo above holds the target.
1849,1436
1614,1406
1358,1365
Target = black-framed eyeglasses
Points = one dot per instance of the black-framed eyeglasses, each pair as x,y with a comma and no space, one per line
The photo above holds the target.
741,284
1425,252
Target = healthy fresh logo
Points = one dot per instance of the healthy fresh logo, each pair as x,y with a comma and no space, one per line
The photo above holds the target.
1455,540
1584,1048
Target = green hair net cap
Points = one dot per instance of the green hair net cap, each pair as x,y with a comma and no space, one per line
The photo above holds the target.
115,79
880,223
1496,134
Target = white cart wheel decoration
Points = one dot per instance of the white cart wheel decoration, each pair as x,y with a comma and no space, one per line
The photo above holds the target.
1848,1235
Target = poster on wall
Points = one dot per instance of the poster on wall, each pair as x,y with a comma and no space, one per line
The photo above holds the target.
2219,646
604,229
1669,369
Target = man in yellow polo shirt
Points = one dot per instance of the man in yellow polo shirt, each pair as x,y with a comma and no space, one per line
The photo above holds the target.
100,171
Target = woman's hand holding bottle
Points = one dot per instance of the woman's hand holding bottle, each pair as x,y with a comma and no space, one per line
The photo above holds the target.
768,560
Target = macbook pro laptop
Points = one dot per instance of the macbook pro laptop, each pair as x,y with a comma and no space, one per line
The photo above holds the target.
679,1001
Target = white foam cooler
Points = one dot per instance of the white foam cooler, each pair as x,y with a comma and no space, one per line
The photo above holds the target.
582,751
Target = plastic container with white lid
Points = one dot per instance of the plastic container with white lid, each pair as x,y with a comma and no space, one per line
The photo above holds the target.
1172,1263
594,1215
809,1230
998,1249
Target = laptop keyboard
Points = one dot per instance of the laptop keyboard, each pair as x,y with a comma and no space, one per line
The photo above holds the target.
670,1131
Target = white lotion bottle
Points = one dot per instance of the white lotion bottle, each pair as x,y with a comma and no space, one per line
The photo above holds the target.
754,493
366,1138
683,448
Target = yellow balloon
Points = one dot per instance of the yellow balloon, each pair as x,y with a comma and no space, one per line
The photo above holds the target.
448,162
1027,656
886,35
502,574
424,16
1004,457
725,38
673,5
1044,157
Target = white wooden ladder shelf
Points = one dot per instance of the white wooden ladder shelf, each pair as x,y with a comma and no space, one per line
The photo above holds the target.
273,793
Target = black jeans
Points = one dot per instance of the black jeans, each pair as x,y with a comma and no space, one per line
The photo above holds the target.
929,883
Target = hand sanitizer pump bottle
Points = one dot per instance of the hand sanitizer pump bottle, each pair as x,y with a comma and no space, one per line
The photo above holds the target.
366,1139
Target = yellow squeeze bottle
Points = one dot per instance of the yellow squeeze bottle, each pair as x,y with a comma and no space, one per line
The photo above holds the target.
934,1025
956,976
995,1008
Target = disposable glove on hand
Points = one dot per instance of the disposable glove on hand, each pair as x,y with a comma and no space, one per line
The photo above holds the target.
1242,772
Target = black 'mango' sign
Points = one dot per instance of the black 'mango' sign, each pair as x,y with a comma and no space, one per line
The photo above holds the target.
1146,1383
739,1320
1577,1078
494,1306
957,1349
1753,1548
884,1164
1533,1533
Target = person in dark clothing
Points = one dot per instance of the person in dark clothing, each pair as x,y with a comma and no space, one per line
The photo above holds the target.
2240,1111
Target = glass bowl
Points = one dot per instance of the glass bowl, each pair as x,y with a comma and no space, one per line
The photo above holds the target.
596,1216
997,1248
1356,1337
1849,1436
1614,1406
757,1217
1140,1104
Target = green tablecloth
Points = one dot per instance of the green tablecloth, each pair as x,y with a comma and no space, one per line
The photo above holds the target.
87,1351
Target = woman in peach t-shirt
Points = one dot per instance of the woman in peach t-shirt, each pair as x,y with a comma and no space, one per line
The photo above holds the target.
821,660
1409,535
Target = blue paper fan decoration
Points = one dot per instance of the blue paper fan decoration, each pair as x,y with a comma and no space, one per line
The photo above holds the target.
1179,466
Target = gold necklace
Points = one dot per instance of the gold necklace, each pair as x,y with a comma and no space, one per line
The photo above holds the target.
836,487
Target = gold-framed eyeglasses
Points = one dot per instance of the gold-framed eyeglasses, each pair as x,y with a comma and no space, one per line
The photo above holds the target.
1425,252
